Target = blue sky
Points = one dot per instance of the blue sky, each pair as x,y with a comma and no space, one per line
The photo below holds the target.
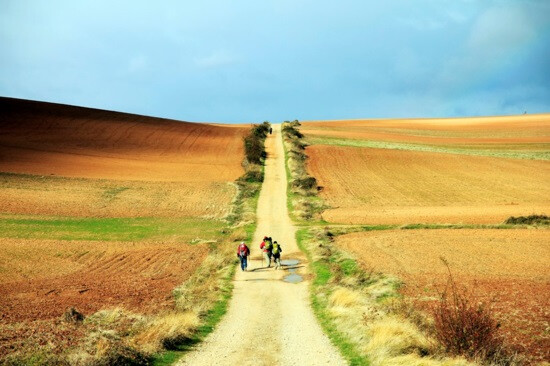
250,60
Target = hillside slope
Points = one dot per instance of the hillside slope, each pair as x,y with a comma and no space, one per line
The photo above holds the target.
55,139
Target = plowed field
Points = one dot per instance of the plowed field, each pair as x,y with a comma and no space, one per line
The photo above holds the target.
83,197
383,186
431,181
39,279
51,139
509,267
87,162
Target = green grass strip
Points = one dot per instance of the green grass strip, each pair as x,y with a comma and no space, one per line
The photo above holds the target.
111,229
527,155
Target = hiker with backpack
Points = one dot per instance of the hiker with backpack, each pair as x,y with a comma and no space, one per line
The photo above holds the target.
242,253
266,246
276,251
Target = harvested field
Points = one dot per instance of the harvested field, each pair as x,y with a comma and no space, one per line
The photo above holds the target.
509,267
52,139
384,186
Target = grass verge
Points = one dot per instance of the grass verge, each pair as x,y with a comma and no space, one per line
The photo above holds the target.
362,311
303,203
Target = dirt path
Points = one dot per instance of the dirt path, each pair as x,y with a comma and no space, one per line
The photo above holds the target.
269,321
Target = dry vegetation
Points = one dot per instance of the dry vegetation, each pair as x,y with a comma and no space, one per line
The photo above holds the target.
500,269
358,308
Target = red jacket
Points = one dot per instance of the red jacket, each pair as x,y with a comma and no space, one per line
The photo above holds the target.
266,247
243,248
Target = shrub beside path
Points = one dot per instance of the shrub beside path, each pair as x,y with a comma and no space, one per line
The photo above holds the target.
269,321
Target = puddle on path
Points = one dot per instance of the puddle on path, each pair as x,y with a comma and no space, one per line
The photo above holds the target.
290,262
292,277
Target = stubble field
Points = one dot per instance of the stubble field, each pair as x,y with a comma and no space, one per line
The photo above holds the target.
470,174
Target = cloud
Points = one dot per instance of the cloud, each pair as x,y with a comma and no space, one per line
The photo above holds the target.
498,38
499,30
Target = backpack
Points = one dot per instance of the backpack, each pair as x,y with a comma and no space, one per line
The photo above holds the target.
242,250
275,249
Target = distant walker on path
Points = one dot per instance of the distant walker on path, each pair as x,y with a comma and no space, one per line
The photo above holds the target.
242,253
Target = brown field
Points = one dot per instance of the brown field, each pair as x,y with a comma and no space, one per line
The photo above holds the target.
87,162
61,162
508,267
52,139
41,278
526,129
83,197
365,185
447,171
383,186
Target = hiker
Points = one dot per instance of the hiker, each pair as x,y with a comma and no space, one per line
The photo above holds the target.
277,250
242,253
266,247
270,130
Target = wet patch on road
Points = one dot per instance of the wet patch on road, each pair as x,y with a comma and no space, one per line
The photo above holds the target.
293,277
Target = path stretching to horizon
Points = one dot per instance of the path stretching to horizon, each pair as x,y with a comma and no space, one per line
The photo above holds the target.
269,321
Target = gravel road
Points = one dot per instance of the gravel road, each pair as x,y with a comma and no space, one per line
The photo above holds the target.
269,320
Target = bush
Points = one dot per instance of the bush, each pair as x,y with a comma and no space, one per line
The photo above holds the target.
528,220
465,327
291,132
254,143
254,149
305,183
252,176
72,315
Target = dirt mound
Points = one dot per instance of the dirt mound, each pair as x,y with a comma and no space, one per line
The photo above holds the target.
54,139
